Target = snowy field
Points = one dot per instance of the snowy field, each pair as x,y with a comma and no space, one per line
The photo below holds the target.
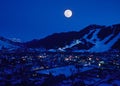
66,70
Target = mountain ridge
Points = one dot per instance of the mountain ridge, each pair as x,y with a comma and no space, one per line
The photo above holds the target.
93,38
88,36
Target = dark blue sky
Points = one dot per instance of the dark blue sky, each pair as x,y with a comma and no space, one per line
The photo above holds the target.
30,19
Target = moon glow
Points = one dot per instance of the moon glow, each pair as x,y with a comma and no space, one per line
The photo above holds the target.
68,13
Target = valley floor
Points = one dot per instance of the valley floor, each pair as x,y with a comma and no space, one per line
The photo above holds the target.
46,69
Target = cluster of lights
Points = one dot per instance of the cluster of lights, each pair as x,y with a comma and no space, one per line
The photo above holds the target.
41,56
66,59
101,63
69,58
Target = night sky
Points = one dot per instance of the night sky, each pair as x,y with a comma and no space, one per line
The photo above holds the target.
35,19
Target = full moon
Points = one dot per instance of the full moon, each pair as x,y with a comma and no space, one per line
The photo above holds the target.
68,13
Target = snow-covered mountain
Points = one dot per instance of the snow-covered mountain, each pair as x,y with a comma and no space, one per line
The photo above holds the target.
9,44
94,38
